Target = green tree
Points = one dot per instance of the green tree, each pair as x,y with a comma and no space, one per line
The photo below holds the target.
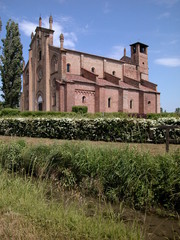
11,65
177,110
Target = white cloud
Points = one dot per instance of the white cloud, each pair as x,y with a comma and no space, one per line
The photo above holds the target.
117,52
164,15
70,40
106,8
60,1
27,27
2,6
167,3
168,62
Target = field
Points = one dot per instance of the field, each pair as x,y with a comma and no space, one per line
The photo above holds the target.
78,196
152,148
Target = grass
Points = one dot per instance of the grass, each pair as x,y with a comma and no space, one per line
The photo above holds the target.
141,180
28,212
53,189
153,149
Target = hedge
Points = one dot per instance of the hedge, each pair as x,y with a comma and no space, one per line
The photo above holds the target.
80,109
81,112
99,129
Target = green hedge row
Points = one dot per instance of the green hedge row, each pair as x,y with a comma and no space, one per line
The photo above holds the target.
107,129
80,109
81,112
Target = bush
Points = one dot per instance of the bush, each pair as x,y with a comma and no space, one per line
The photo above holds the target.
98,129
80,109
10,112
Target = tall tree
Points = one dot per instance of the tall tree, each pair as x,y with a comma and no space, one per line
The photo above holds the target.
177,110
11,65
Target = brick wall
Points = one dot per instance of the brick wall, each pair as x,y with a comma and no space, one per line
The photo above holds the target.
134,97
114,66
130,71
97,63
150,103
113,95
74,60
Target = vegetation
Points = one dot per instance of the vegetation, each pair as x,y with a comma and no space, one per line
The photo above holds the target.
29,211
80,109
11,65
16,112
98,129
177,110
140,180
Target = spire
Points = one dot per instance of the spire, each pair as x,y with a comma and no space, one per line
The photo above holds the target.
50,22
32,35
124,51
61,41
40,21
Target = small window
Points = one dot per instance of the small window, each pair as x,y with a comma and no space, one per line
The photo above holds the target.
109,102
149,102
113,73
131,104
40,56
93,69
134,49
83,99
68,67
142,49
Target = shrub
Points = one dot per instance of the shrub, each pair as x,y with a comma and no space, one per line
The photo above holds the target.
80,109
10,112
98,129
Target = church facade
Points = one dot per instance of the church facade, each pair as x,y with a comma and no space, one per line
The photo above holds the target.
56,79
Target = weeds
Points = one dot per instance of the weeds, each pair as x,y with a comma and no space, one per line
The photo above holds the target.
141,180
26,213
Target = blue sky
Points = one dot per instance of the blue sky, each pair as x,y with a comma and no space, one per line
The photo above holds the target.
105,27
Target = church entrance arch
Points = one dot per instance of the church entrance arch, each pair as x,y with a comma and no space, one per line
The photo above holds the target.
40,103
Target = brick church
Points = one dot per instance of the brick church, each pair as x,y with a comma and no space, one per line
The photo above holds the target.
55,78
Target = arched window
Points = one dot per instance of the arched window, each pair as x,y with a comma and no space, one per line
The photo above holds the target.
40,55
149,102
93,69
54,100
83,99
109,102
113,73
68,67
131,104
54,64
40,103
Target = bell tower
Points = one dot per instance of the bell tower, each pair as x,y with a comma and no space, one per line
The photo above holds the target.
139,57
39,67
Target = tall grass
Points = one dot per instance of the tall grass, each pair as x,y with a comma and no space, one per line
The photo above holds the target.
141,180
27,213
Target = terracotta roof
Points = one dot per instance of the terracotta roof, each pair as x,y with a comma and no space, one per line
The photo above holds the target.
79,78
103,82
126,59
